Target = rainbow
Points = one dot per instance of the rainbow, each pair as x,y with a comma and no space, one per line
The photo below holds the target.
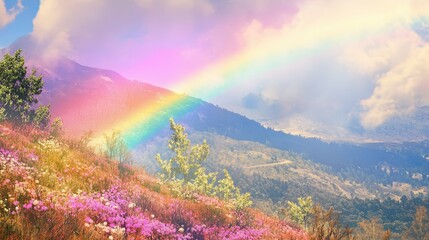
282,49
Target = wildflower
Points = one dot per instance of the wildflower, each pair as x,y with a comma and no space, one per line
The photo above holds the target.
27,206
87,225
35,202
131,205
15,203
152,216
181,230
88,220
110,237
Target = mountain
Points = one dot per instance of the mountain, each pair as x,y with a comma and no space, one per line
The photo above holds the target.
91,99
272,165
407,128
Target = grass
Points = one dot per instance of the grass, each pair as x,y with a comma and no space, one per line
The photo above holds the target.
56,189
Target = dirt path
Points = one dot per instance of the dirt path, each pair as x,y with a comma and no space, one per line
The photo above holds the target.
269,164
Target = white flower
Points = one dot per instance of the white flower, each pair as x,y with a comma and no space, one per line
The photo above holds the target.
35,202
110,237
181,230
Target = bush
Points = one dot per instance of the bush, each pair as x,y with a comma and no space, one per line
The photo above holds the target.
18,92
42,116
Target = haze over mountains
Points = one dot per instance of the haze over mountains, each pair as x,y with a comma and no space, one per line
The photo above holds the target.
66,79
273,165
99,98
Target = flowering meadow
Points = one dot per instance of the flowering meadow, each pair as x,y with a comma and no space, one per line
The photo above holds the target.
61,189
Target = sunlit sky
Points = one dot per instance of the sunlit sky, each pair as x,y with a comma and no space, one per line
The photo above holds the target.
290,63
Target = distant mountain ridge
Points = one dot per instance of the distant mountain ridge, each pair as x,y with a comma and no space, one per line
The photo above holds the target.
411,127
90,99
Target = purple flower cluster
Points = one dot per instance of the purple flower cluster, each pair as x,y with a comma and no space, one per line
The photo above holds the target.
119,211
113,209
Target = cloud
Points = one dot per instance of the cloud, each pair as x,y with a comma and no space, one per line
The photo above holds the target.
400,90
337,53
328,61
8,15
142,38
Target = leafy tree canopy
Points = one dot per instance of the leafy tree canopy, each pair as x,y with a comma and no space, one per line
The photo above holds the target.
19,91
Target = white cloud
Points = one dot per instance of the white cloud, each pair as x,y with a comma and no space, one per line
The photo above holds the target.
325,60
400,90
384,59
8,15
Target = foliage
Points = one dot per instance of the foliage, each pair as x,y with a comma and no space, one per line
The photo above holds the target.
42,116
116,148
57,128
186,160
187,176
300,213
372,230
419,229
49,190
325,224
18,92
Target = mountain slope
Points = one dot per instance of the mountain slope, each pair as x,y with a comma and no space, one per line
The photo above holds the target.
90,99
51,189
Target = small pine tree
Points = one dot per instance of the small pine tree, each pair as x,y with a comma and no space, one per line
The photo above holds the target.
184,170
300,213
187,160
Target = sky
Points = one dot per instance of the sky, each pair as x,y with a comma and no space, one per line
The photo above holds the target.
292,64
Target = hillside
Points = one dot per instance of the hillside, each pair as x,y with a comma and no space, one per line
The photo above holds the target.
52,189
90,94
273,166
407,128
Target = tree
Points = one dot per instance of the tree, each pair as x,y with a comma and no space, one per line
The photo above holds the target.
300,213
372,230
185,170
229,192
42,116
186,160
116,148
18,92
419,229
57,128
325,225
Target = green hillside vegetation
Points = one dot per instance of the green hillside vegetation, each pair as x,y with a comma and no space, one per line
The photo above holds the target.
274,177
57,188
52,187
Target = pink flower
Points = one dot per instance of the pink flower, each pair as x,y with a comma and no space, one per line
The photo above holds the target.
88,220
27,206
16,203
